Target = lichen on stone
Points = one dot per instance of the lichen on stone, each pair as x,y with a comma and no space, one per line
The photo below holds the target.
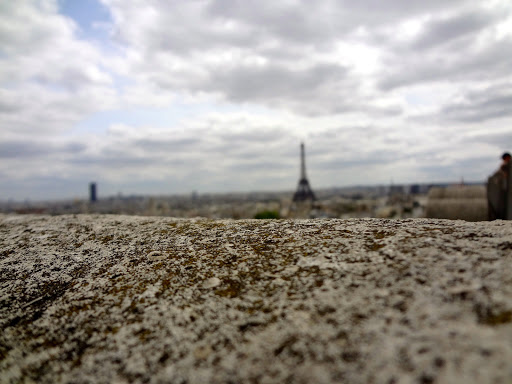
91,298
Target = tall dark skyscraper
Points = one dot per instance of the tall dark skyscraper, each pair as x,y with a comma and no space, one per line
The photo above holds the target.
304,191
92,192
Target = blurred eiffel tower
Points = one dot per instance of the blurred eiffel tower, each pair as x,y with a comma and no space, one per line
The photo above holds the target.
304,191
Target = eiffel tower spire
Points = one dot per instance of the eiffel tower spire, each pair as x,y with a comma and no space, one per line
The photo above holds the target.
304,191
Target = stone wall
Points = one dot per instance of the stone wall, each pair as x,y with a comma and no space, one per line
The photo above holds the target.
119,299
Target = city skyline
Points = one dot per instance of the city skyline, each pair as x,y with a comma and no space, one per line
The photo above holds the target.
215,96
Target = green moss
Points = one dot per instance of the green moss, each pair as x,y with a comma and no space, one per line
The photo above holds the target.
6,252
500,318
143,334
106,239
267,215
4,350
230,288
380,234
373,246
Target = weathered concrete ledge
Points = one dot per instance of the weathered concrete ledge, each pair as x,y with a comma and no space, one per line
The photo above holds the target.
117,299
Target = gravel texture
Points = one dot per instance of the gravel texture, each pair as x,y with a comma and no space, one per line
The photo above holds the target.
122,299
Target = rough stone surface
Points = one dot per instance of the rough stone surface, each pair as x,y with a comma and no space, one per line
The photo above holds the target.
118,299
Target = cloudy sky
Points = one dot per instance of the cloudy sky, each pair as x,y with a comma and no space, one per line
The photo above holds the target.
164,97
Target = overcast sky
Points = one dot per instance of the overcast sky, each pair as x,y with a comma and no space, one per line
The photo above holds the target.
165,97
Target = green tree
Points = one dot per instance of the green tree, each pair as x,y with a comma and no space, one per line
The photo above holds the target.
267,215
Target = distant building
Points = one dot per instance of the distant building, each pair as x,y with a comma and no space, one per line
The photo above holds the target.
396,190
92,192
304,191
415,189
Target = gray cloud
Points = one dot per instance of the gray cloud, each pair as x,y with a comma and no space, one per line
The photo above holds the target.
262,165
494,106
446,29
449,65
271,85
51,79
501,140
459,47
152,145
320,22
244,82
10,149
470,169
8,106
248,52
13,149
115,160
474,106
264,67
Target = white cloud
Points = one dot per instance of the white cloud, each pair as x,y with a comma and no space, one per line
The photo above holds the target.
403,90
51,79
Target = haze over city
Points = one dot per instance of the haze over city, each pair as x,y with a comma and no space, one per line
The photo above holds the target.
169,97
